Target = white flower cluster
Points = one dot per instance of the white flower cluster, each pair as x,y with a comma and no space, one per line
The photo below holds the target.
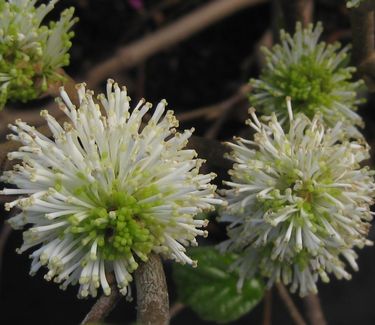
107,191
31,52
299,201
314,74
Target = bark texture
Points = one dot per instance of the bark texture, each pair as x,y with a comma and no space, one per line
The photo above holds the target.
152,293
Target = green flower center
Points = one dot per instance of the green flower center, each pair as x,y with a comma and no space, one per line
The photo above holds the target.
120,224
308,83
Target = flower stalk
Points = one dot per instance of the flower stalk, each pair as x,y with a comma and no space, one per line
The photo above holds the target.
104,305
314,310
152,293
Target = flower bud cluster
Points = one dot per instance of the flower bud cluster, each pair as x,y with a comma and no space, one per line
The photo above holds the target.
31,53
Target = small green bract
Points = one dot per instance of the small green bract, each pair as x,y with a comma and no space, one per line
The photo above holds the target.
315,75
31,53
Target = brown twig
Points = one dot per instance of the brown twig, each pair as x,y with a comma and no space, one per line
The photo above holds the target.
32,116
69,84
221,110
362,23
267,309
296,10
293,311
213,131
366,70
152,293
363,54
104,305
212,151
314,310
216,110
175,309
185,27
276,20
215,128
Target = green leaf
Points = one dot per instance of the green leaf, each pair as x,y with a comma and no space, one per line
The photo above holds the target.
211,289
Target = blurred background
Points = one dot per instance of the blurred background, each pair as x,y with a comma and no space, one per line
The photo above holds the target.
203,76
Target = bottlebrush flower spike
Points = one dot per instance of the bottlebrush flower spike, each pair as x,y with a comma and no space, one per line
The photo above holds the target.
299,202
315,75
107,191
31,53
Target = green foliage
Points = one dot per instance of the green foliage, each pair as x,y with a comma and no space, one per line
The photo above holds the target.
211,289
31,53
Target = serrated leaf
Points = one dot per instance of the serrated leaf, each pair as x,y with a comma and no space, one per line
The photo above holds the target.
211,289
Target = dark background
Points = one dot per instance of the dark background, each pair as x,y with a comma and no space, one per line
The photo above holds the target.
202,70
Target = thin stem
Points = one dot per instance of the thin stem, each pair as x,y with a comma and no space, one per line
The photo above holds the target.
152,293
267,311
314,310
190,24
289,304
216,110
235,100
104,305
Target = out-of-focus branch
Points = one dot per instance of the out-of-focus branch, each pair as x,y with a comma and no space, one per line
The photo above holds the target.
216,110
276,20
211,150
366,70
362,22
69,84
10,146
152,293
225,110
363,29
293,311
267,309
33,116
296,10
104,305
314,310
176,309
222,110
185,27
